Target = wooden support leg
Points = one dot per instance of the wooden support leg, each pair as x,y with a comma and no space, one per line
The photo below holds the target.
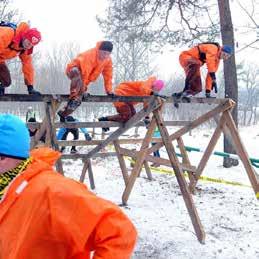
50,126
121,161
213,141
241,151
88,167
148,171
180,178
139,162
186,159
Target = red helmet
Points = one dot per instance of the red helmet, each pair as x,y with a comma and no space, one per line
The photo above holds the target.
33,35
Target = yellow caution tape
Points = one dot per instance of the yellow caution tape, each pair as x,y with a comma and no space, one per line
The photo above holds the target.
203,178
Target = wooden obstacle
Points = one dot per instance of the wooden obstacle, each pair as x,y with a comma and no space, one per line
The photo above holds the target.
221,114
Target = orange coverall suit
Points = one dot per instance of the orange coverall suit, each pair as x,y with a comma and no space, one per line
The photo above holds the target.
136,88
90,68
10,48
44,215
191,62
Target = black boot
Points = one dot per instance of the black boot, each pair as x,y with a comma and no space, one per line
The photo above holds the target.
104,119
2,90
61,116
32,91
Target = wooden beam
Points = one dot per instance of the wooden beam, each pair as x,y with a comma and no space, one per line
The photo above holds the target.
99,98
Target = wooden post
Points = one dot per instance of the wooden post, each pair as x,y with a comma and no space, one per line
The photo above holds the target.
50,123
148,171
241,151
88,167
121,161
180,178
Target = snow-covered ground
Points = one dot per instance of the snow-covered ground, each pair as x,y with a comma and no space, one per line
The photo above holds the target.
229,214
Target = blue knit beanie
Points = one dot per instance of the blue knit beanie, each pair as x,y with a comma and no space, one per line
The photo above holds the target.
227,49
14,137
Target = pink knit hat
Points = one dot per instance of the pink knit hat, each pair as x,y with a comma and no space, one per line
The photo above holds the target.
158,85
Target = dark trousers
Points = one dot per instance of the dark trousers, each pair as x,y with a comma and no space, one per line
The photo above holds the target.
193,84
75,133
5,77
156,153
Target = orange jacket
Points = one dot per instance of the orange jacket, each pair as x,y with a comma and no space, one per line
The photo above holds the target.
10,49
45,215
212,58
91,67
134,88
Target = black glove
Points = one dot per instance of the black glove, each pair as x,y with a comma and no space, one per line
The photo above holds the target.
31,90
88,137
214,86
111,94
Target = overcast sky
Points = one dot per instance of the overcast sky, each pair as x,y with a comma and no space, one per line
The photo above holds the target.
67,20
64,20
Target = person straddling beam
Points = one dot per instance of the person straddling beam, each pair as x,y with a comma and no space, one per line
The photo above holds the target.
18,42
49,215
83,70
132,88
209,53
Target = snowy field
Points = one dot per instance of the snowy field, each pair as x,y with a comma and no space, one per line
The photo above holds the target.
229,214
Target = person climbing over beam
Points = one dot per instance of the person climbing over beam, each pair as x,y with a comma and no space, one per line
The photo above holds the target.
17,40
62,134
132,88
83,70
209,53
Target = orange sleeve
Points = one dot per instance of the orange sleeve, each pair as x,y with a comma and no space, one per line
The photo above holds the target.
107,76
27,68
212,59
146,87
114,236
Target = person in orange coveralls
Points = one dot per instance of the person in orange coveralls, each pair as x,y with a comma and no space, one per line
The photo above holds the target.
83,70
45,215
17,41
208,53
133,88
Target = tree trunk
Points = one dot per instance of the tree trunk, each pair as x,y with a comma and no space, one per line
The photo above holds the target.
230,73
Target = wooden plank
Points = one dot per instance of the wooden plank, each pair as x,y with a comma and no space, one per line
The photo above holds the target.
242,153
158,160
205,117
139,162
180,178
91,175
122,163
81,156
99,98
97,142
206,155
